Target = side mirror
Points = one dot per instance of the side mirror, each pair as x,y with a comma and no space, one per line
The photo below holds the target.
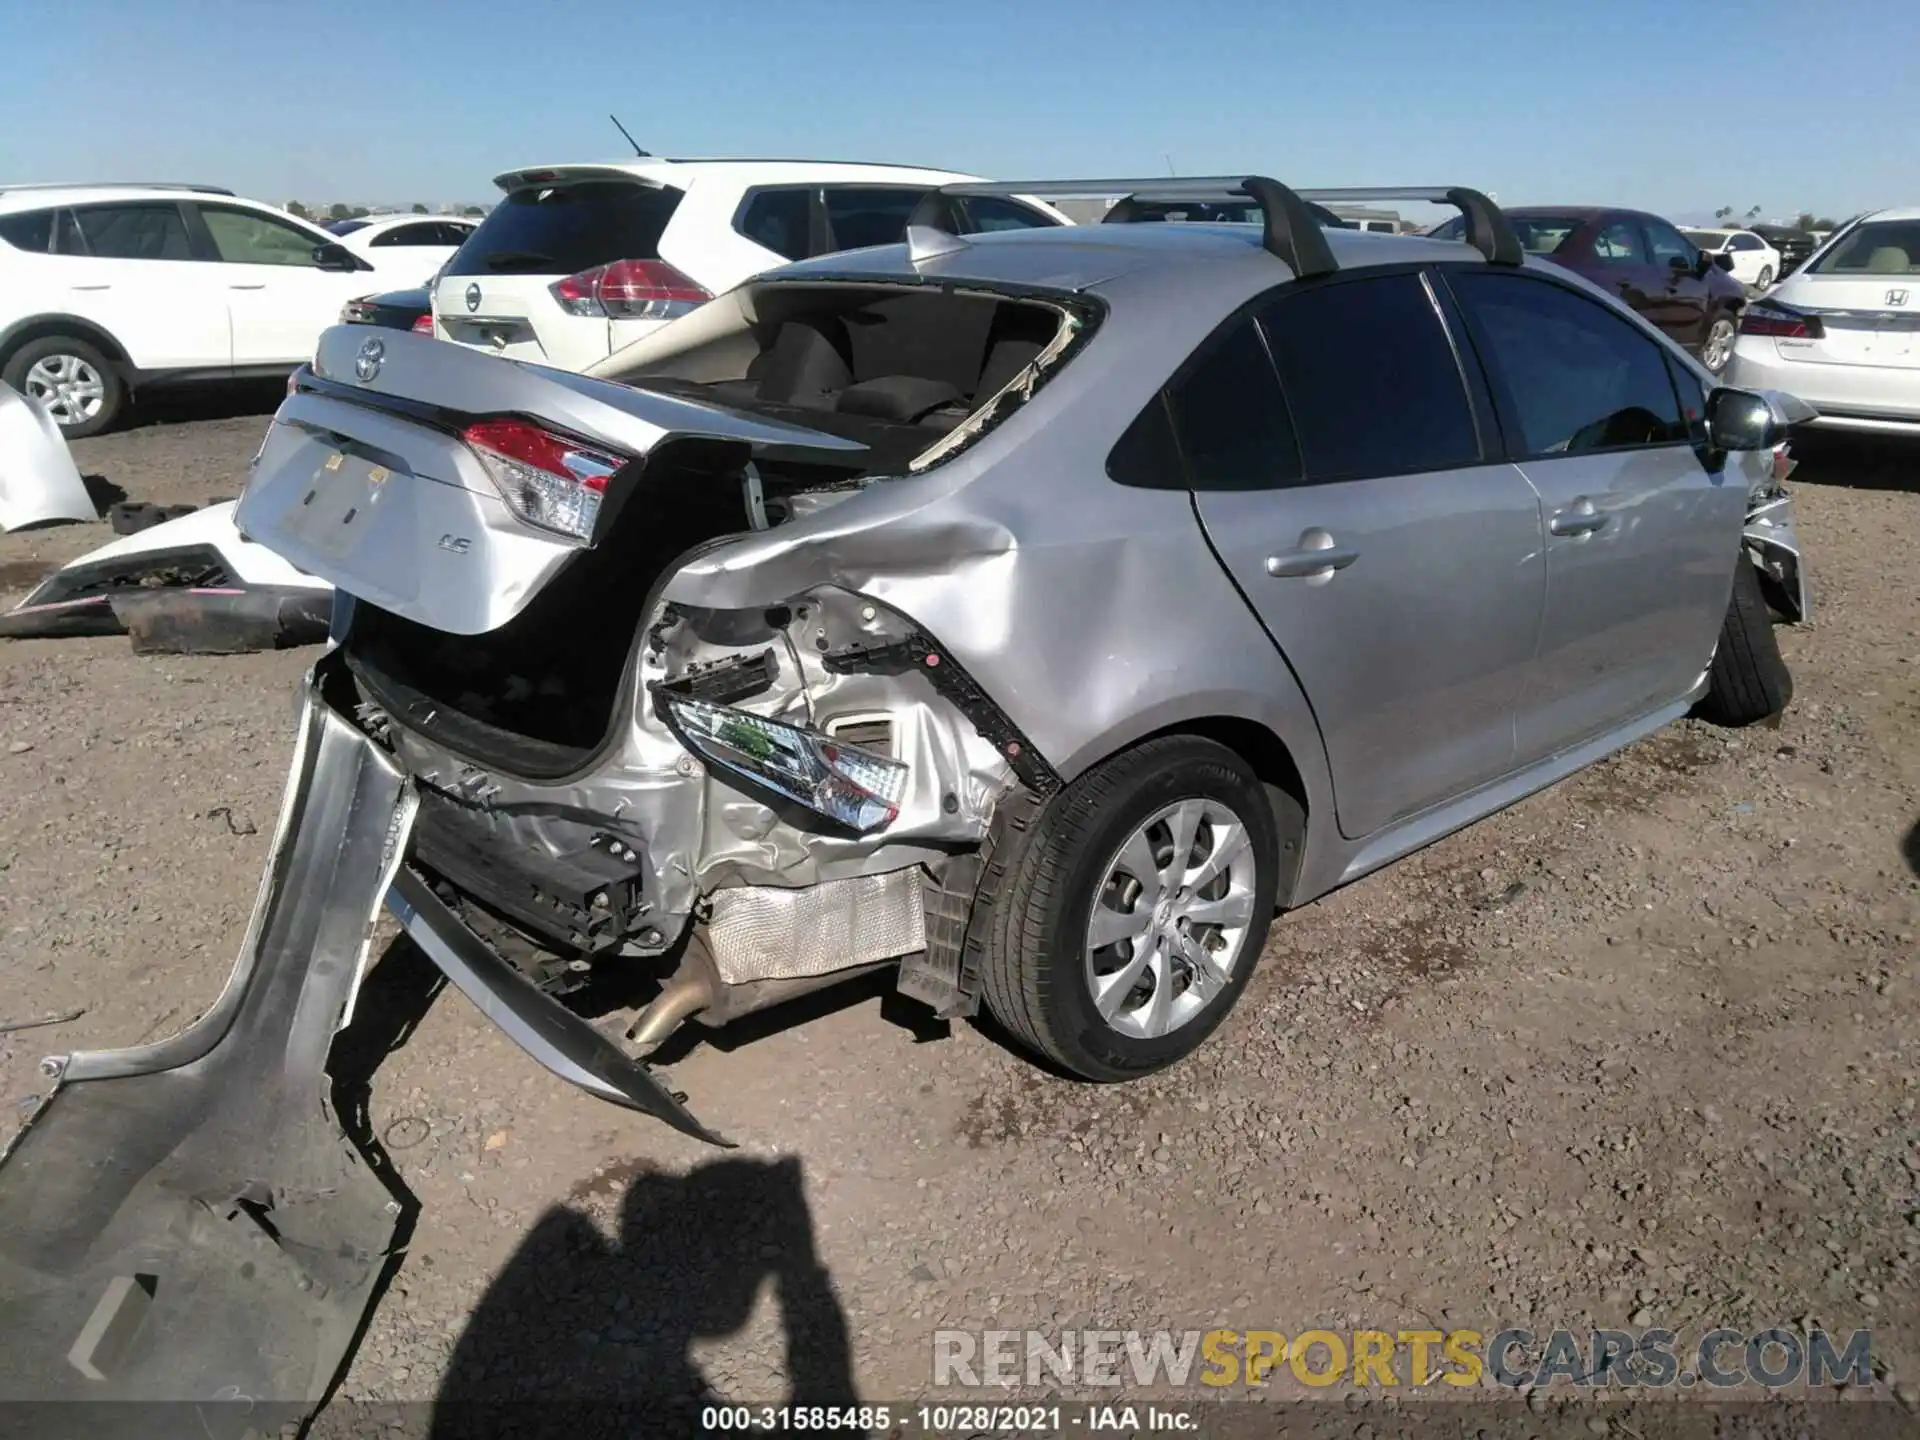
333,256
1753,419
1680,265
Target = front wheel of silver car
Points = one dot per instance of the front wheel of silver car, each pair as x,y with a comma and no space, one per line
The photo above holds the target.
1718,347
1135,910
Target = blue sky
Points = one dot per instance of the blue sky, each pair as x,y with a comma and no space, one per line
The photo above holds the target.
1676,105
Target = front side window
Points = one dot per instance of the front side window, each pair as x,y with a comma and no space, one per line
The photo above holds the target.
1230,419
1619,244
1371,380
992,212
1669,245
1879,247
1575,377
130,232
780,221
863,215
241,237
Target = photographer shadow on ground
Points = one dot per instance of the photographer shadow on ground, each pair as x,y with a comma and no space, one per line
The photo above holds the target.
1910,848
585,1335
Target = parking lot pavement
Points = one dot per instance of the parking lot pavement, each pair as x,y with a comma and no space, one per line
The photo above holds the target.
1643,1048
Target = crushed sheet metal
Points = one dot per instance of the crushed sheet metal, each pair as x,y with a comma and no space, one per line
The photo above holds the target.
38,480
543,1027
186,1221
760,932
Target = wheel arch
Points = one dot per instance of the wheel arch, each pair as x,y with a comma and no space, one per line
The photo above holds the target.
39,327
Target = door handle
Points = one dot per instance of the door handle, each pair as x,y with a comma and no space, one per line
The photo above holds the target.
103,285
1316,559
1579,518
257,285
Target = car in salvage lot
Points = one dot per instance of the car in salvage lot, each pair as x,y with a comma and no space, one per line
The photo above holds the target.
577,261
1843,331
1035,613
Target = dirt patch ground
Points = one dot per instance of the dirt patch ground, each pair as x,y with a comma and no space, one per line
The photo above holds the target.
1641,1049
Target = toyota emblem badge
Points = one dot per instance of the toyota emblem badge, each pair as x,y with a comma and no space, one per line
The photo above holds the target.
367,363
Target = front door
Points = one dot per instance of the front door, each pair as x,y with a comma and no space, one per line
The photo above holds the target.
277,295
1683,304
1641,537
1395,567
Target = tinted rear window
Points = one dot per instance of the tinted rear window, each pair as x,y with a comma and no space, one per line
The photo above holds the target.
1879,247
564,229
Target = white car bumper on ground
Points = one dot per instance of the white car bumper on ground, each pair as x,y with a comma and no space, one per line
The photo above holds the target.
1862,397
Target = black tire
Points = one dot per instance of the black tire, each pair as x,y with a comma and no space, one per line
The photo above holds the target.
113,390
1748,681
1035,969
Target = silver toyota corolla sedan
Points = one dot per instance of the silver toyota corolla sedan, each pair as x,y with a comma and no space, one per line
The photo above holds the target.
1033,613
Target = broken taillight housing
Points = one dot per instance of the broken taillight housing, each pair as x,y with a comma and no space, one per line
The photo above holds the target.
1782,322
859,789
630,290
547,479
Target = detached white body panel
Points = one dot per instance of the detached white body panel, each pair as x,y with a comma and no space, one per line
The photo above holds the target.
38,480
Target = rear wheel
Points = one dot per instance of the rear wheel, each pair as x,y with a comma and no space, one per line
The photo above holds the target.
1136,911
71,380
1749,680
1765,278
1717,348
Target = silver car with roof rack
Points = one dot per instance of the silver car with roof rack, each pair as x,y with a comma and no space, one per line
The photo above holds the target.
1034,614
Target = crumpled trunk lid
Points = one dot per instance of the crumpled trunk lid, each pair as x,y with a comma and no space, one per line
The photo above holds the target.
364,481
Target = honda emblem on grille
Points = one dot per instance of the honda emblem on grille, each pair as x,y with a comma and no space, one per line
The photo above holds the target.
1896,297
367,363
473,298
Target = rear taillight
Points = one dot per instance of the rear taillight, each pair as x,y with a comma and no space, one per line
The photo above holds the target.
630,290
1781,322
356,312
548,480
423,324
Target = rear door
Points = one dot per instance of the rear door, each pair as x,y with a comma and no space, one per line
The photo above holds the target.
278,297
497,293
1641,536
132,268
1397,569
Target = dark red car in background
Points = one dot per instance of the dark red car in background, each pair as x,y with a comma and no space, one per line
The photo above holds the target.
1642,259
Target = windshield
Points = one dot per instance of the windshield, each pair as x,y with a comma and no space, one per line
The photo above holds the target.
1539,234
1879,247
566,228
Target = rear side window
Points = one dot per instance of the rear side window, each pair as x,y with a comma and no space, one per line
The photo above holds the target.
1230,419
133,232
1371,379
564,229
29,230
863,215
780,221
1575,377
991,212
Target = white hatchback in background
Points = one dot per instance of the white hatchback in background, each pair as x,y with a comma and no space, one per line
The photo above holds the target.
577,261
1755,262
1843,331
405,249
107,289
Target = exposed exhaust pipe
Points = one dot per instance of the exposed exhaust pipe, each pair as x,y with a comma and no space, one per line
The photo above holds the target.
693,987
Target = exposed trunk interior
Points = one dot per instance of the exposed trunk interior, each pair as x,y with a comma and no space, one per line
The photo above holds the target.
894,369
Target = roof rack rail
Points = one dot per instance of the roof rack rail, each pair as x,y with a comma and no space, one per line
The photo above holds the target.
112,185
1292,228
1292,218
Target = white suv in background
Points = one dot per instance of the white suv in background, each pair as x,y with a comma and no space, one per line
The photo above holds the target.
577,261
405,249
106,289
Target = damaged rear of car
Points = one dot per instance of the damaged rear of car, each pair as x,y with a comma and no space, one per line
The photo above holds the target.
746,801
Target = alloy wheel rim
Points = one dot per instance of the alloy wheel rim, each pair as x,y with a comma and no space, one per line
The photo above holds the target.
1169,923
1719,344
71,390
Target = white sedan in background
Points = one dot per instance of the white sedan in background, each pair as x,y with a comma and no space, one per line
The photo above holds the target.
1843,331
1755,262
407,249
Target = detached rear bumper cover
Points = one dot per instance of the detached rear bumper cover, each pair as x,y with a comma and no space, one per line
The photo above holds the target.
38,479
186,1220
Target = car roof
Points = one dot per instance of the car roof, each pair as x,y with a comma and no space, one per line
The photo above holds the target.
738,171
42,196
1082,257
387,222
1897,212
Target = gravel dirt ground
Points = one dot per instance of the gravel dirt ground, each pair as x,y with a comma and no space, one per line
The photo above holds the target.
1640,1050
